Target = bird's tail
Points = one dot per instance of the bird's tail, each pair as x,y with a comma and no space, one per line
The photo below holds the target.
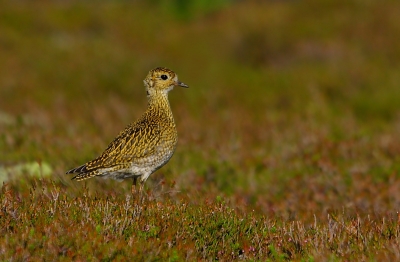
79,169
83,176
83,173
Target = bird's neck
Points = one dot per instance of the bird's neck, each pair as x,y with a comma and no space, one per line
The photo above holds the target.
158,101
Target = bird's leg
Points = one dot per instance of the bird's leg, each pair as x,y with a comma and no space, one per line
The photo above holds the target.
133,188
141,186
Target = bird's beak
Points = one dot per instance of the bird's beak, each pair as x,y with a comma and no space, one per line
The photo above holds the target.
179,83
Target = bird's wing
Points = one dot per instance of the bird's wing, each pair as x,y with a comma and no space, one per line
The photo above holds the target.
132,144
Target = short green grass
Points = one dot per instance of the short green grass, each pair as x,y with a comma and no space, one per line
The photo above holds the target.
289,135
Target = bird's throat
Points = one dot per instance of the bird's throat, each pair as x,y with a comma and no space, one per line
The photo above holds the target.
159,103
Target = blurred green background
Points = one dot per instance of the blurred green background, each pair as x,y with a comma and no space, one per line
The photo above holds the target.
293,106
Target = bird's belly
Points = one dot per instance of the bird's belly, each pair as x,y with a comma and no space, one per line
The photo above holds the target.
152,163
122,174
143,166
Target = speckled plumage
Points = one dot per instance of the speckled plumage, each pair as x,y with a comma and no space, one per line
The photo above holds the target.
145,145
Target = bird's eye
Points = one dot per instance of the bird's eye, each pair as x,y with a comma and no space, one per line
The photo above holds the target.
164,77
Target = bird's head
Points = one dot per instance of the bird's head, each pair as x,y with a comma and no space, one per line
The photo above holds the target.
162,79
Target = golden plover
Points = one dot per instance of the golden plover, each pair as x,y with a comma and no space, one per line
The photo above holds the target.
145,145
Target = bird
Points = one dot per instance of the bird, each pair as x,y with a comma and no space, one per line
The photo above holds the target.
145,145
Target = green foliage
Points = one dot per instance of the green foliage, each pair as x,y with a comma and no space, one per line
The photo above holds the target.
187,10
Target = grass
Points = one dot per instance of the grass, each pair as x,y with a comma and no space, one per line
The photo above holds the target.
288,135
48,224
